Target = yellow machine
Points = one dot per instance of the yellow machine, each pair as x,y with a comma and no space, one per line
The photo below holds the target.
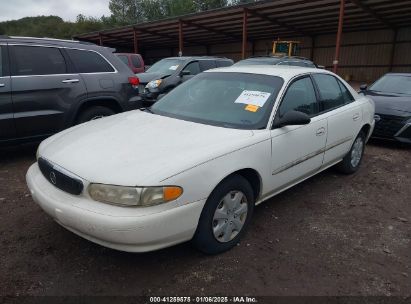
285,48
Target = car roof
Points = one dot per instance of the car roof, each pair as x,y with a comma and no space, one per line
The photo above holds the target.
199,58
399,74
283,71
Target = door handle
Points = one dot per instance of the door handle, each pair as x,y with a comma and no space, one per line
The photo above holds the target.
356,116
71,81
2,85
320,132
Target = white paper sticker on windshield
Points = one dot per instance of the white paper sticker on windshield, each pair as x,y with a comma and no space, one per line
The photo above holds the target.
255,98
173,67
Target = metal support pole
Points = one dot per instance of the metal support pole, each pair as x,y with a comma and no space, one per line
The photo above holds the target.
392,54
244,46
135,41
100,39
339,32
180,38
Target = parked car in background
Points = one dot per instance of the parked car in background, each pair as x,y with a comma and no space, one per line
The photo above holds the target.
166,74
208,152
392,97
278,60
134,61
47,85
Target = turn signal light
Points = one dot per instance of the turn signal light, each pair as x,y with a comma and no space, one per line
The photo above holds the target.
171,193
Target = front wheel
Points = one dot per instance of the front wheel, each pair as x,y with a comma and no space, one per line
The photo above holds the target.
225,216
351,162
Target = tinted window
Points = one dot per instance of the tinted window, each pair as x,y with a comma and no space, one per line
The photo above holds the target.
297,63
193,67
330,92
300,97
32,60
135,61
89,62
1,61
399,84
207,64
123,58
221,99
224,63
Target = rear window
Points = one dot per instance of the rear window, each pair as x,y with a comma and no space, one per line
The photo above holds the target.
135,61
123,58
89,62
34,60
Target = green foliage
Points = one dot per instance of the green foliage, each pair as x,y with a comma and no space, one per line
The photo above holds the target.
123,12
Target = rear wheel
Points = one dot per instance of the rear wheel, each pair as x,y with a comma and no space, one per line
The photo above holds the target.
351,162
225,216
93,113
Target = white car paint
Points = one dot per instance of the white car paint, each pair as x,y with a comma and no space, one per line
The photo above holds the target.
141,149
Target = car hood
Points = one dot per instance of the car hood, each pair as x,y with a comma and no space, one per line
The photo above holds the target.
139,148
391,104
147,77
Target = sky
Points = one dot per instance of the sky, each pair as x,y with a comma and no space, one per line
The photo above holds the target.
66,9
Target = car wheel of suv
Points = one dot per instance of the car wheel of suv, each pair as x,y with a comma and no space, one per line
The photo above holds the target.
94,113
225,216
351,162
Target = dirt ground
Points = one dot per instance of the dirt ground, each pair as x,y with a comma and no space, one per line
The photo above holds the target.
331,235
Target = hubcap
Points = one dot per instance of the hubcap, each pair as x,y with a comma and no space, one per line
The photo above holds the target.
356,152
230,216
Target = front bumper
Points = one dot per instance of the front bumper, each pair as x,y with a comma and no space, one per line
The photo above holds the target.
393,128
137,230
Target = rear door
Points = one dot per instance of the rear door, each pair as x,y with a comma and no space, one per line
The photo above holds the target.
44,90
343,114
7,129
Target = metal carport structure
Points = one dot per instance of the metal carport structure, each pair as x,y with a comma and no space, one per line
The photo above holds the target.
250,23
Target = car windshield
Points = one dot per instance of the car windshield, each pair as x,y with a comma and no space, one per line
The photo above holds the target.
393,84
165,66
231,100
258,61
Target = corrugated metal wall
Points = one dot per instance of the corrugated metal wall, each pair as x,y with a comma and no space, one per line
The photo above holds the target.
365,56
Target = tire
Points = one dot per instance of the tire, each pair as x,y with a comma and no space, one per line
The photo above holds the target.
352,161
213,235
94,112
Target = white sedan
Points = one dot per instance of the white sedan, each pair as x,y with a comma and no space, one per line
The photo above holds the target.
194,165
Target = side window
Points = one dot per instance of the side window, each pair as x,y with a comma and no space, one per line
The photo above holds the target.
346,94
35,60
135,61
223,63
297,63
300,96
193,67
207,64
330,91
1,61
89,62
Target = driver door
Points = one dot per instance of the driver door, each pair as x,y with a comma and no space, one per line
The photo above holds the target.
298,151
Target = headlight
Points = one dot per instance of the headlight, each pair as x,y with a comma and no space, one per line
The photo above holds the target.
134,196
154,84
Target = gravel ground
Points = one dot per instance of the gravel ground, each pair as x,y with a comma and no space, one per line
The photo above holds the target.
331,235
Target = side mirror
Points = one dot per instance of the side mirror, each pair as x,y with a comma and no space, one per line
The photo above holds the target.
185,73
293,118
363,87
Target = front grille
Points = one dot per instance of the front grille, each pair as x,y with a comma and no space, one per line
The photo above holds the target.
60,179
388,126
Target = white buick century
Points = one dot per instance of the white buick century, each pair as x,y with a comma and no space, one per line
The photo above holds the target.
194,165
